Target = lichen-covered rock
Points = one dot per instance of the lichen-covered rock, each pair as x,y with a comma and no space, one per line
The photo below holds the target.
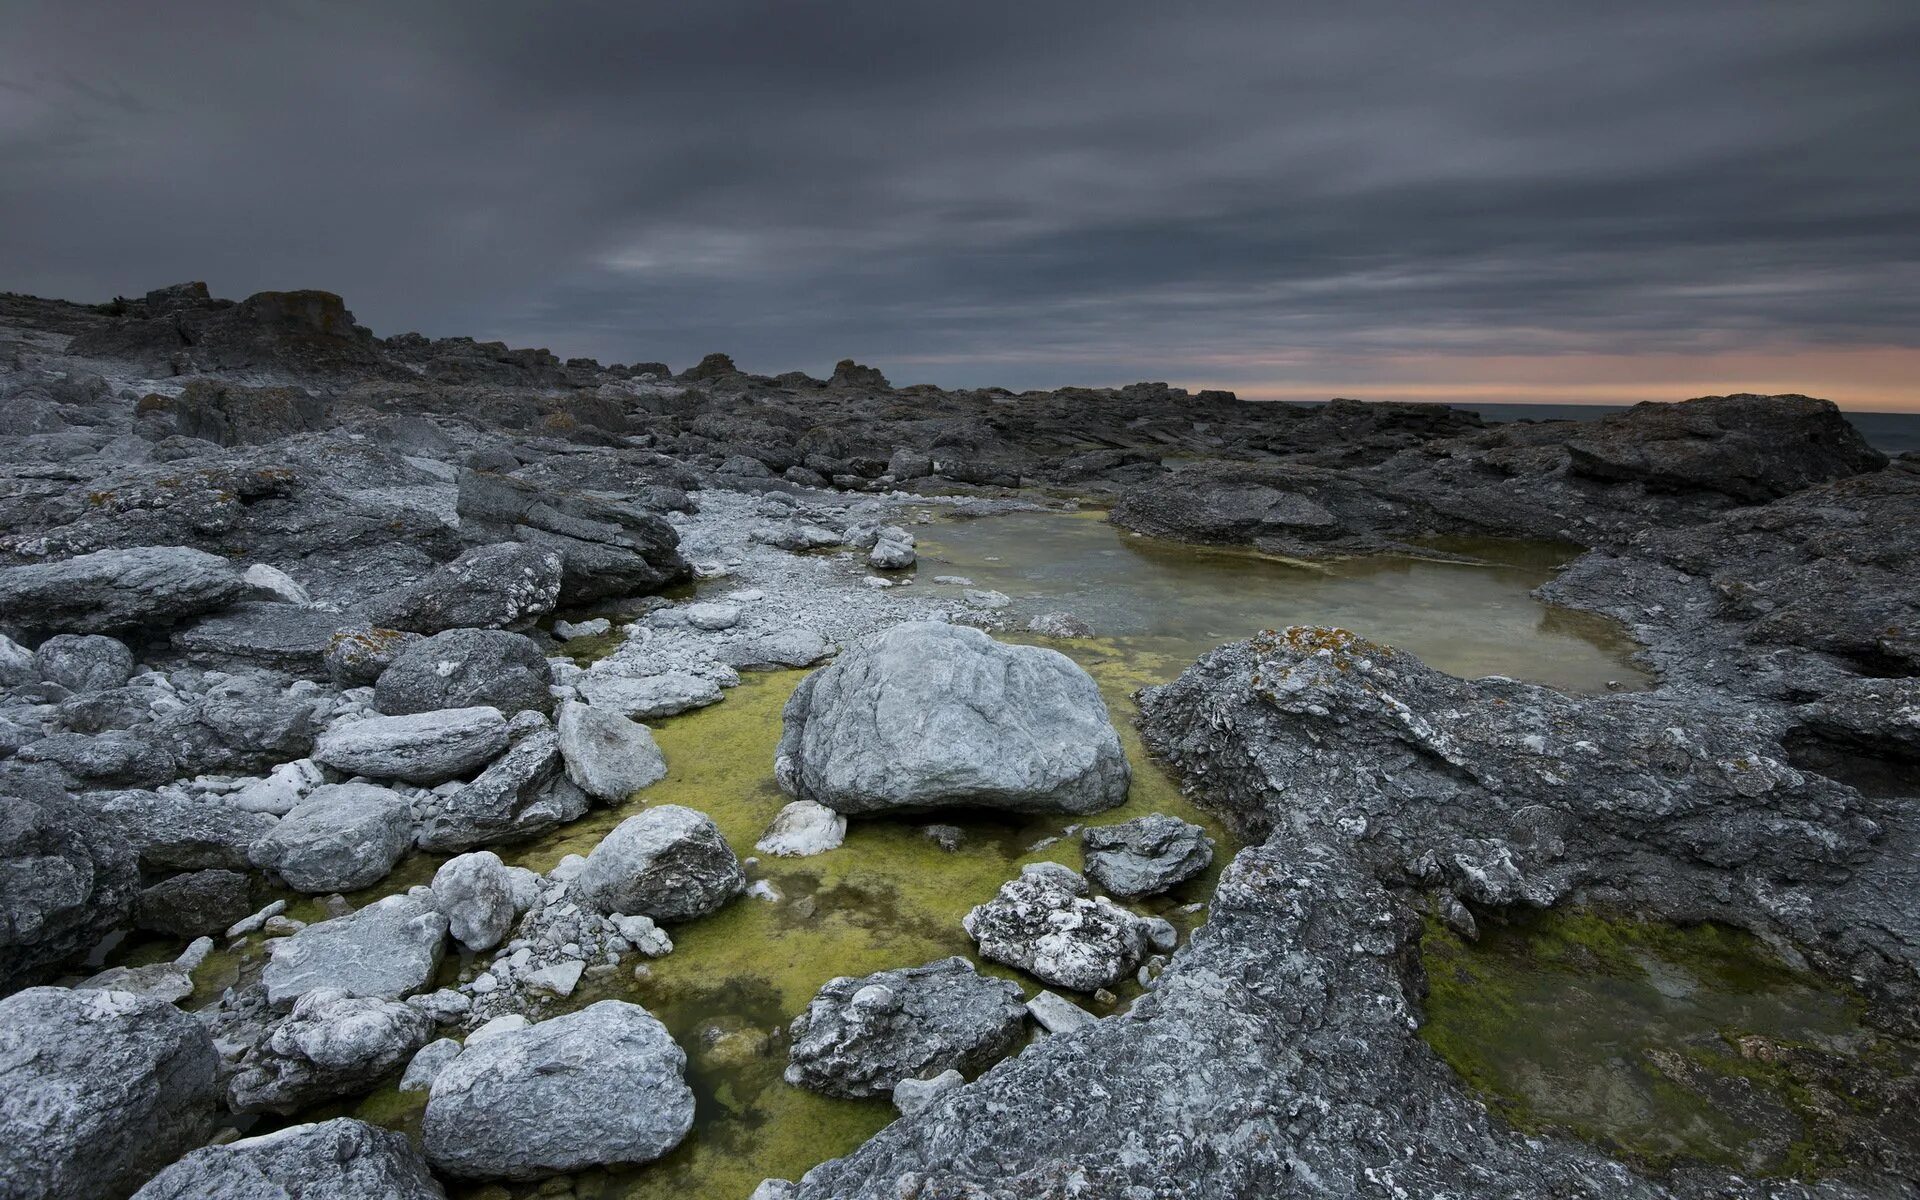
387,950
927,715
603,1086
475,893
342,837
357,654
526,792
465,668
1147,855
669,863
341,1159
608,756
98,1090
424,748
1044,923
860,1037
489,587
330,1045
110,590
914,1095
84,662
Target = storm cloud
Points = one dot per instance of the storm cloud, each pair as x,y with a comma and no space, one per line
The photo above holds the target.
1256,195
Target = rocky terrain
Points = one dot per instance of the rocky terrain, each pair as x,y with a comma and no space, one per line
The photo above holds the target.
285,606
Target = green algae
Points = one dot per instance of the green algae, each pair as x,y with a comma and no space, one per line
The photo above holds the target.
1664,1044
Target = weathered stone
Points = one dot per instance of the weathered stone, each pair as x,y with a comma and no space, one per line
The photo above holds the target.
287,637
194,903
172,832
83,662
803,828
927,715
466,668
422,748
341,1159
1147,855
357,654
524,793
110,590
66,881
669,863
387,950
645,698
426,1065
600,1087
343,837
332,1044
116,758
1045,924
475,893
489,587
911,1096
608,756
860,1037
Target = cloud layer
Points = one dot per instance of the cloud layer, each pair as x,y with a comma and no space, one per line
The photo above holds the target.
1274,197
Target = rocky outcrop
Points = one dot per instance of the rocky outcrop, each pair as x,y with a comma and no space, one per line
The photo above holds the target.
489,587
860,1037
341,1159
927,715
600,1087
98,1090
606,548
523,793
112,590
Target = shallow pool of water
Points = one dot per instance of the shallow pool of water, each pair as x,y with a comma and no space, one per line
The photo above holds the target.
1469,619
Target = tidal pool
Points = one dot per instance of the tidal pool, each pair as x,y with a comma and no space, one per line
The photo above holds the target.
891,896
1668,1044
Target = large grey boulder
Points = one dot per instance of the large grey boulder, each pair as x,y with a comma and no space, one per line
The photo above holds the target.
388,949
424,748
173,832
462,668
331,1044
194,903
1044,923
600,1087
475,893
860,1037
1147,855
98,1090
286,637
927,715
110,590
117,758
606,547
608,756
84,662
524,793
66,881
488,587
669,863
341,1159
342,837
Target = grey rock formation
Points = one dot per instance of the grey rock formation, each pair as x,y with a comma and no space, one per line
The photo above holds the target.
168,831
926,715
342,837
772,651
66,881
599,1087
1057,1014
330,1045
427,1063
1147,855
606,548
607,756
475,893
466,668
84,662
860,1037
111,590
194,903
283,637
669,863
489,587
341,1159
524,793
98,1090
647,697
421,748
116,758
1044,923
387,950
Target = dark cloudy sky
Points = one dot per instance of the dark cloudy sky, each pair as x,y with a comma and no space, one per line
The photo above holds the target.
1550,200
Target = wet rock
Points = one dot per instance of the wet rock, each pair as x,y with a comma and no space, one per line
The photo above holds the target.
1147,855
82,1072
927,715
466,668
475,894
608,756
600,1087
524,793
332,1044
66,881
803,828
489,587
1045,924
172,832
669,863
194,903
341,1159
645,698
387,950
912,1096
356,655
423,748
343,837
860,1037
84,662
110,590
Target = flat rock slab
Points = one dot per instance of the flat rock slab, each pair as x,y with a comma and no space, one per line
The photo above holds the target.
423,748
388,949
110,590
